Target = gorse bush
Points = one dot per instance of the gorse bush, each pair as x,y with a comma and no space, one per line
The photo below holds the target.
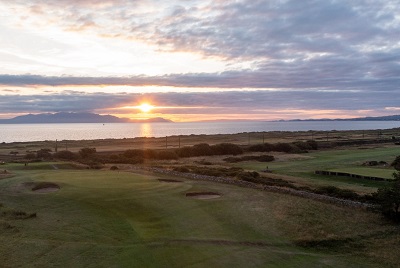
43,153
87,152
396,163
337,192
259,158
388,199
65,155
204,149
294,147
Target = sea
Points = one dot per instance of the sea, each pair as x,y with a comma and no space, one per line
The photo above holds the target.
91,131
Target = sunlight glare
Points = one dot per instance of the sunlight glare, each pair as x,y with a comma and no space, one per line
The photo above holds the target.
145,107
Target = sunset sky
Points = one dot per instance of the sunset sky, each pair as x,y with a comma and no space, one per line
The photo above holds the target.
201,60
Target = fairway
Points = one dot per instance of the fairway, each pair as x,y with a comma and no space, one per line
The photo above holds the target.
302,167
122,219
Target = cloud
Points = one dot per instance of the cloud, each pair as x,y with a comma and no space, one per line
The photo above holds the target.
223,103
314,54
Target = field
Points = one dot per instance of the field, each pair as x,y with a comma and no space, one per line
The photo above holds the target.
123,219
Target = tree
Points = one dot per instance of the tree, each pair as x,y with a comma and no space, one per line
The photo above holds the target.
389,199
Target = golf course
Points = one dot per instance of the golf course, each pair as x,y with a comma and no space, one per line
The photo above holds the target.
100,218
166,207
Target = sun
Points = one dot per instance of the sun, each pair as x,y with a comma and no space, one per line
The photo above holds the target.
145,107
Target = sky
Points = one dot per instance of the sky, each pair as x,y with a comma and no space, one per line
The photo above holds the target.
201,60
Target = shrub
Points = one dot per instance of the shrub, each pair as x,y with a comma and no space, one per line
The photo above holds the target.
226,148
149,154
266,147
248,176
202,149
167,155
337,192
87,152
184,151
65,155
313,144
113,168
133,153
43,153
388,199
396,163
259,158
181,169
30,156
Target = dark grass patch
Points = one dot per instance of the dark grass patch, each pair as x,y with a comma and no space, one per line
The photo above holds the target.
6,226
169,180
14,214
45,186
203,195
339,244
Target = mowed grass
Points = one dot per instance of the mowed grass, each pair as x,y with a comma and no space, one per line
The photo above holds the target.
121,219
302,167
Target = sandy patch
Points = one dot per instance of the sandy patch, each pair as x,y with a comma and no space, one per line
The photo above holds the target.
203,195
42,187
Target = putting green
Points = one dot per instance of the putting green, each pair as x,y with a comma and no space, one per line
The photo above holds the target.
121,219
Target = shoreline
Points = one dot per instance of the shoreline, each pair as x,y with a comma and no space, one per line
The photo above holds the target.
176,141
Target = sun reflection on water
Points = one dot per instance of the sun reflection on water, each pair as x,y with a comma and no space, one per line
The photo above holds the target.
146,130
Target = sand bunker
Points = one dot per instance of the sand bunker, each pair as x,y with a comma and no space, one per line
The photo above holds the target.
203,195
45,187
169,180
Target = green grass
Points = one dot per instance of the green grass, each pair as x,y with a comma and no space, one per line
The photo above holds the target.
305,167
120,219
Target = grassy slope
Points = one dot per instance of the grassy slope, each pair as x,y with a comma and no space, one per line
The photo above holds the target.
118,219
331,160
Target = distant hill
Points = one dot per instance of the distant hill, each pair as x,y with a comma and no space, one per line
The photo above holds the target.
49,118
371,118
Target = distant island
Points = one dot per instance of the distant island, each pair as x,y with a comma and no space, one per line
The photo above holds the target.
370,118
69,117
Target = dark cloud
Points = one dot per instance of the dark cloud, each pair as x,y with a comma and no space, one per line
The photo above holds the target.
330,75
231,102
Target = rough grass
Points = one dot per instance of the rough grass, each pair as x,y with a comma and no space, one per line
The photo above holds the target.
121,219
337,229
